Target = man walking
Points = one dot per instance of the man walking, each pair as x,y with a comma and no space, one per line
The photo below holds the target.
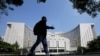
40,30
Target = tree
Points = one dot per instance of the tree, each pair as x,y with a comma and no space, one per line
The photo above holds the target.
22,50
5,5
81,50
94,45
41,1
16,46
1,38
5,47
9,48
91,7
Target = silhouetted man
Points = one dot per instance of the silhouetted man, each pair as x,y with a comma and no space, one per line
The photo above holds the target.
40,30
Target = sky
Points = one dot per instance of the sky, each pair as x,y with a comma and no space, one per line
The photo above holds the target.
59,13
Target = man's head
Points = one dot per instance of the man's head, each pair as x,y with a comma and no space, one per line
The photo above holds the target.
44,19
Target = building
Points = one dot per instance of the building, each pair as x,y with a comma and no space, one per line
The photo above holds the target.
19,32
81,35
1,38
57,42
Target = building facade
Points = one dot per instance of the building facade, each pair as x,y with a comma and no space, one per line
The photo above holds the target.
1,38
19,32
57,42
81,35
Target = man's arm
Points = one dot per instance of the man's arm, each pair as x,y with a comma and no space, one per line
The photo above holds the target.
50,27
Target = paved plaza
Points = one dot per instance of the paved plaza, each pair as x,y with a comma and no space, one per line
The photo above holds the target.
57,55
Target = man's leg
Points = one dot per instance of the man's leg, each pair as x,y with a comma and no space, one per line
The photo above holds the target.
45,46
39,39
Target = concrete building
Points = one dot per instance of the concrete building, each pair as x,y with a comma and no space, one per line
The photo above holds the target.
1,38
57,42
19,32
81,35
